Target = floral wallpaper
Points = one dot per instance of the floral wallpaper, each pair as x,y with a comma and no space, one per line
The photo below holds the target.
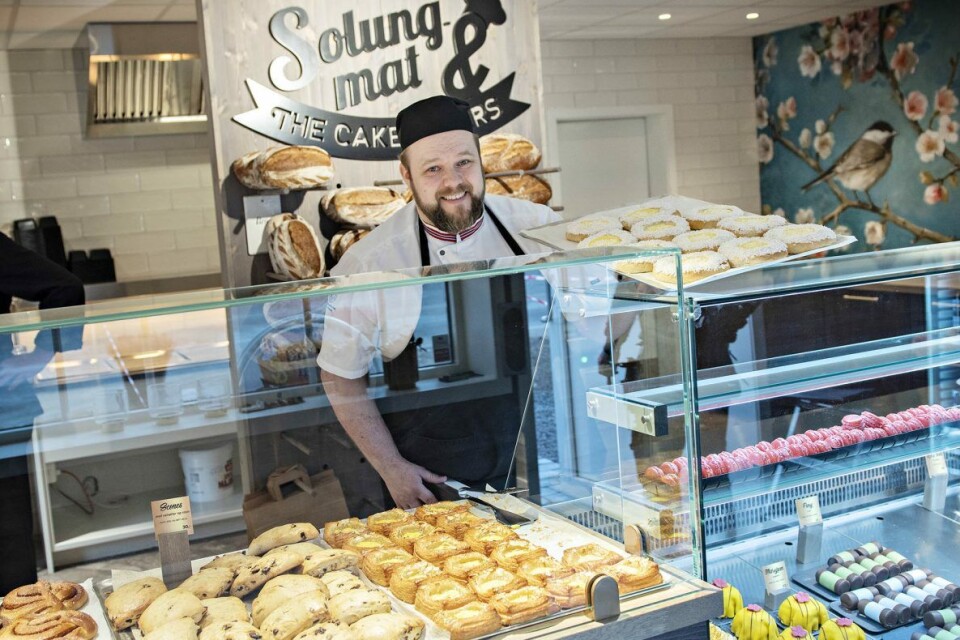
857,123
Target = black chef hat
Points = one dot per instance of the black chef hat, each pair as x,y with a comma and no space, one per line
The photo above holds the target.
431,116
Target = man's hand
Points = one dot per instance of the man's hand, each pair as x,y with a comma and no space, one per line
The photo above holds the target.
405,482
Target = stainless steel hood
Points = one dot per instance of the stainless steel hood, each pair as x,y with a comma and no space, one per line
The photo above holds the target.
144,79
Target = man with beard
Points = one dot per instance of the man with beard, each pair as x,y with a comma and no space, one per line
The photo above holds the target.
449,221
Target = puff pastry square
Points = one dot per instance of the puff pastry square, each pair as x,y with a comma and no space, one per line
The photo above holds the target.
522,605
441,594
489,582
456,523
539,569
384,522
469,621
405,535
464,565
437,547
570,591
430,512
406,579
487,536
634,573
337,532
380,563
590,557
365,542
510,553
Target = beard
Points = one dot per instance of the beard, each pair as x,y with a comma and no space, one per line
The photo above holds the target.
452,223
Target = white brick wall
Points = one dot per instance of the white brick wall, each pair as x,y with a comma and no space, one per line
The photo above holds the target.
709,82
148,199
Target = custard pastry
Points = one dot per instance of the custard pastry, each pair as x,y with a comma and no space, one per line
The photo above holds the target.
407,579
537,570
634,573
405,535
487,583
437,547
800,238
430,512
469,621
382,523
284,534
590,557
522,605
366,542
337,532
570,591
462,566
487,536
510,553
380,563
440,594
458,522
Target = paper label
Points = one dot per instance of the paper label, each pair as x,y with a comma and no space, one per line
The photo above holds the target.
936,465
172,515
775,577
808,511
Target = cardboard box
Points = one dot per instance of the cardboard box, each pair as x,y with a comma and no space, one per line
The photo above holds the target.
293,496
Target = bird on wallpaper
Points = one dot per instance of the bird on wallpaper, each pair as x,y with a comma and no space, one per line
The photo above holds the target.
864,162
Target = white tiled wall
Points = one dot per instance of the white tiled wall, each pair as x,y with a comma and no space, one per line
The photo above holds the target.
709,82
148,199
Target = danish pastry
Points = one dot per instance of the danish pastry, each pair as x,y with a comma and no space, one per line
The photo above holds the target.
225,609
695,266
281,589
349,607
327,560
337,532
327,631
209,583
510,553
236,630
487,536
802,237
643,264
702,240
469,621
660,228
42,597
171,605
521,605
627,220
128,601
437,547
429,512
442,593
607,238
386,626
366,542
751,225
463,565
487,583
74,625
405,535
587,226
458,522
252,577
179,629
383,522
590,557
743,252
634,573
406,579
569,591
338,582
232,561
380,563
295,615
709,217
801,609
537,570
282,535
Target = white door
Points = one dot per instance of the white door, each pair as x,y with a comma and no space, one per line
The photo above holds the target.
604,164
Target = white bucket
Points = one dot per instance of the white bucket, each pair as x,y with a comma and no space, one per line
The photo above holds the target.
208,472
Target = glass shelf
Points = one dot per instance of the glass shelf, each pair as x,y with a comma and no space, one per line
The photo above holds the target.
788,375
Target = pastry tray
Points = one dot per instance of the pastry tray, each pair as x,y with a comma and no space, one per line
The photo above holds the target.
553,235
551,532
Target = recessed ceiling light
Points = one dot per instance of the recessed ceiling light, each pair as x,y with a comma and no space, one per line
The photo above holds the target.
753,16
664,16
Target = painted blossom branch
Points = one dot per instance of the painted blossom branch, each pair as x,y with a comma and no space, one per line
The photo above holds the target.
845,202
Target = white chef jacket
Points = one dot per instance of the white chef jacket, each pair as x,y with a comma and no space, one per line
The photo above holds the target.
359,324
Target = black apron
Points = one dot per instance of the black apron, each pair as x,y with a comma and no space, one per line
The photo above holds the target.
471,441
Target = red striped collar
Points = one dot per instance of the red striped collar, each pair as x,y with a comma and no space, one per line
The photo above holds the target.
443,236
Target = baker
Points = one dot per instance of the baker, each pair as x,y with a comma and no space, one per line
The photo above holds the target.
450,220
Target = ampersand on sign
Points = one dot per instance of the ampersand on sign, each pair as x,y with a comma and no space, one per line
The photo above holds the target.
479,15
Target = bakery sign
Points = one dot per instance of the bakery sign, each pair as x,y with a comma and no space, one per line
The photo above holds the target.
365,57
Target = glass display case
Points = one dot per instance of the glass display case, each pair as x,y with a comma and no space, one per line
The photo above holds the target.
833,379
206,394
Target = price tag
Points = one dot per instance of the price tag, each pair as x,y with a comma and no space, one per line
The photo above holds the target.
936,465
808,511
775,577
172,515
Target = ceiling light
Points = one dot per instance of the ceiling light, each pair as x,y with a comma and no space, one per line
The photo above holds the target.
664,16
753,15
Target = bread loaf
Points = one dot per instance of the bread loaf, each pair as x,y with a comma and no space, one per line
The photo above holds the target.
362,206
508,152
530,188
292,167
294,248
343,240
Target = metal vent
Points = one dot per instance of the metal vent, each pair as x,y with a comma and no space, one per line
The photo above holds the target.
144,79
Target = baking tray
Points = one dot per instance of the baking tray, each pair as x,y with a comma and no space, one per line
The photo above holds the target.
553,533
553,235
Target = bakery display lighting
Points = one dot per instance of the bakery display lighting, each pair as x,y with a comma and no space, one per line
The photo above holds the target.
664,16
753,15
